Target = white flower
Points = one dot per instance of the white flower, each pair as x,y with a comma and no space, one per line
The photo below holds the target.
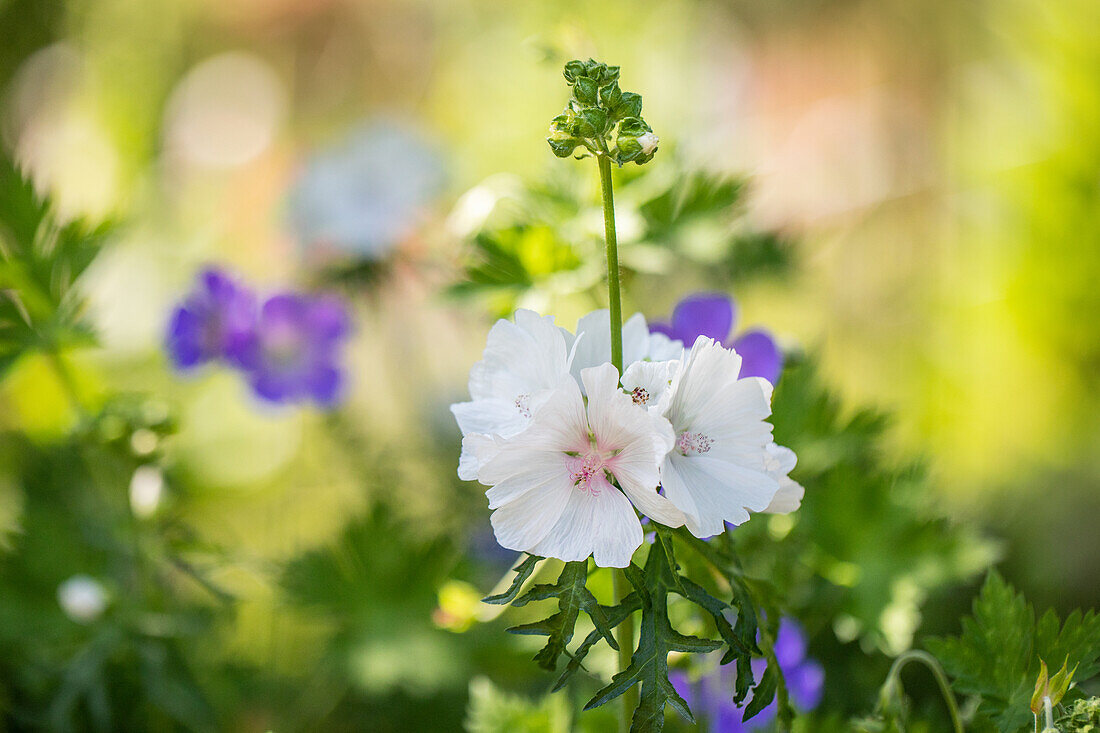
648,382
592,344
717,471
523,362
551,488
781,461
82,598
648,142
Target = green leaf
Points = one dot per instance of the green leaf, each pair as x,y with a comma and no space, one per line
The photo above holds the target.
615,616
40,261
573,597
523,572
762,694
649,662
997,655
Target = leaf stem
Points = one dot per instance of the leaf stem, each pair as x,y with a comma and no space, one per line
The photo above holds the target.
933,665
624,634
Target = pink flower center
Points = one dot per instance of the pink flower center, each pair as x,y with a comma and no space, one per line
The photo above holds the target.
693,444
588,471
523,404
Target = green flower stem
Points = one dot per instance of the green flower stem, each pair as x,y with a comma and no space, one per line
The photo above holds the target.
624,634
614,297
916,655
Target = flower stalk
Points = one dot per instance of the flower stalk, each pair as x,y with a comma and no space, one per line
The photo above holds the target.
624,634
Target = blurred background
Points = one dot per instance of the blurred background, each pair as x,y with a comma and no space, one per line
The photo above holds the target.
906,194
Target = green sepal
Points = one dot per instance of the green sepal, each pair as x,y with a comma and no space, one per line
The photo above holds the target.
610,97
630,105
585,90
523,572
573,69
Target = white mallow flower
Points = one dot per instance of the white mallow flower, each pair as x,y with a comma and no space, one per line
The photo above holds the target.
718,469
648,382
781,461
522,364
551,485
592,344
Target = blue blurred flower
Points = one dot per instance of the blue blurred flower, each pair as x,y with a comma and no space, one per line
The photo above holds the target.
294,351
711,698
212,323
363,195
714,315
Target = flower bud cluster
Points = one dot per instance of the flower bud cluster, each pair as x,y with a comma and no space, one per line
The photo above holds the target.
600,118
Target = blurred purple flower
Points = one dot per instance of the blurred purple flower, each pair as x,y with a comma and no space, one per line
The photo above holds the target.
365,193
714,315
711,698
212,323
294,351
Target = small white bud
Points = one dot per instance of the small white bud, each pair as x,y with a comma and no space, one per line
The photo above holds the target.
146,490
82,598
648,142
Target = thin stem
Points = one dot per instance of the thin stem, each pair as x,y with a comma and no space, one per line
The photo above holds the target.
614,297
782,696
933,665
624,634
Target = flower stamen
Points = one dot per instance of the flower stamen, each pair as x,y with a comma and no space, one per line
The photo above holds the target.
693,444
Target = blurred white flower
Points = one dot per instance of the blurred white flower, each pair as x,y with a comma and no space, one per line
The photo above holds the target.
365,194
146,491
82,598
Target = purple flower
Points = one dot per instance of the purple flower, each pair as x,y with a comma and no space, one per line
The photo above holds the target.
212,323
294,351
714,315
712,696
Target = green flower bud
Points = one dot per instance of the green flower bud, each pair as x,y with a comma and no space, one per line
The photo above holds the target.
610,96
630,105
585,90
573,70
562,143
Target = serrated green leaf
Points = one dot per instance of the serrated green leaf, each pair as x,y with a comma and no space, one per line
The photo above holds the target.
649,662
615,616
523,572
997,655
573,597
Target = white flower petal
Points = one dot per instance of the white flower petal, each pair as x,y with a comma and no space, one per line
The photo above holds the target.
600,523
593,341
716,492
519,358
780,462
523,523
663,348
